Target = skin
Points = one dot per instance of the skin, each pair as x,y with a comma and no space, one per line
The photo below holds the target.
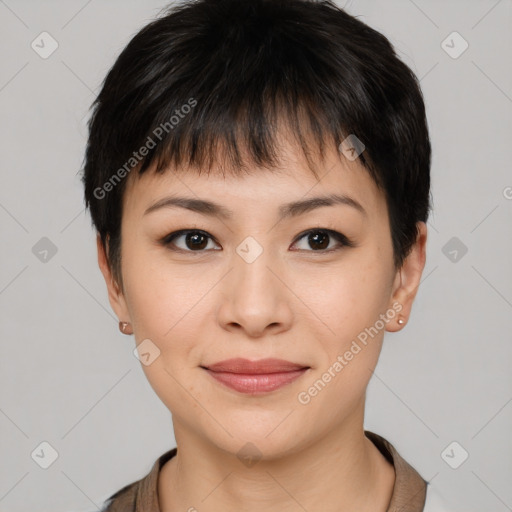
295,302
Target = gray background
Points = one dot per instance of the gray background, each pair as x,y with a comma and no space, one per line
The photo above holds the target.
68,377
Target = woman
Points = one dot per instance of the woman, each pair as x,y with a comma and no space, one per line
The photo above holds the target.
258,174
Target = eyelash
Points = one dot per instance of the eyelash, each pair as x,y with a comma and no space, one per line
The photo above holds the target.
340,237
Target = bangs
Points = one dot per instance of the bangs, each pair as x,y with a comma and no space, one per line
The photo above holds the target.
222,82
221,94
246,133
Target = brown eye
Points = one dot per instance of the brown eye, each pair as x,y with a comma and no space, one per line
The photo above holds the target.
319,240
192,240
316,240
196,241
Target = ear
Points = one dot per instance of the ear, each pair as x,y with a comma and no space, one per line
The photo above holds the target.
407,279
115,294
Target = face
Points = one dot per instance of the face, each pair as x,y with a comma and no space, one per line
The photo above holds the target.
311,284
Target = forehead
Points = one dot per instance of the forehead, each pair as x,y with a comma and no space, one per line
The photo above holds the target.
258,187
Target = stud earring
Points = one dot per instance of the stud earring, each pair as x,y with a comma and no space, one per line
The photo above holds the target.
125,328
401,321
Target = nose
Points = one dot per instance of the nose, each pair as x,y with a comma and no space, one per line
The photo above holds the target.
254,298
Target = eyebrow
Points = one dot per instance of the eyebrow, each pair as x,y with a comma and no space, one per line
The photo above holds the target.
293,209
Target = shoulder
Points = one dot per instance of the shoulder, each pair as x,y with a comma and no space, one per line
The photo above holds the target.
435,502
122,500
409,488
141,495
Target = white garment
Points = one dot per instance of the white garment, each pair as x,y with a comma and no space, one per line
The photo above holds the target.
434,501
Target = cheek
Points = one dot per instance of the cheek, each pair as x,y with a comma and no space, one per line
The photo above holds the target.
171,305
166,308
350,296
350,334
353,297
160,295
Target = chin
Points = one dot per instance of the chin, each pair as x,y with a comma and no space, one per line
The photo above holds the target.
266,438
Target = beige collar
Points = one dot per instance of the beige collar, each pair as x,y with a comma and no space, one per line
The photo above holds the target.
409,491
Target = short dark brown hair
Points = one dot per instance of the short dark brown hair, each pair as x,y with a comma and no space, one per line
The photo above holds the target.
210,74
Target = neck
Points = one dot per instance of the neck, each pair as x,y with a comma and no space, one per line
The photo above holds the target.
341,472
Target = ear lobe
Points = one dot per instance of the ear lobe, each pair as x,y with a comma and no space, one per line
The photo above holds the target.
115,295
408,278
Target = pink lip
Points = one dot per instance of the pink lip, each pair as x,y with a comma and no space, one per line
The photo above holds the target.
269,365
255,377
256,383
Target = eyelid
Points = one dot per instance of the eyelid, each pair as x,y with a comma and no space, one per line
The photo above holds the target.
168,239
340,237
